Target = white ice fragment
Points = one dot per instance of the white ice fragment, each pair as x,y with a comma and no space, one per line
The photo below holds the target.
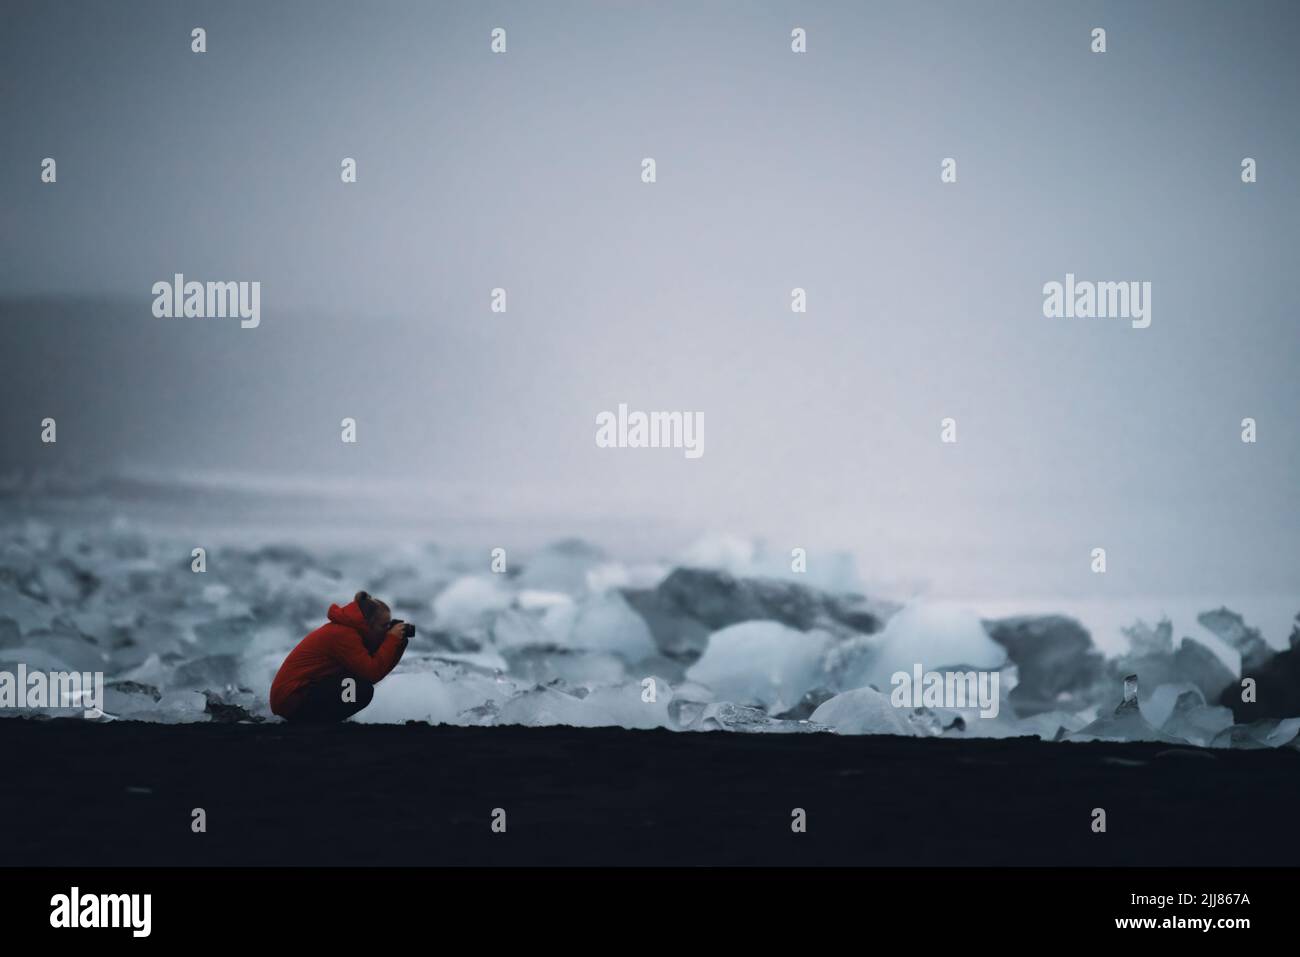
562,567
150,672
619,706
607,623
1125,723
1197,723
517,629
175,707
426,696
540,707
629,705
763,663
728,716
469,602
1160,706
573,667
863,711
937,636
1049,725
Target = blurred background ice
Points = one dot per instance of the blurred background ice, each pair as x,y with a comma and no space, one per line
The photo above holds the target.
720,636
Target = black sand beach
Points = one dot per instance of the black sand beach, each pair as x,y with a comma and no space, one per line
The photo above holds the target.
122,794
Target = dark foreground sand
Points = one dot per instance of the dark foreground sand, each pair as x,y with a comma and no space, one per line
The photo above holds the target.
76,793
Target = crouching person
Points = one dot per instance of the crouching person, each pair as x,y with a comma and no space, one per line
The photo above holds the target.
332,673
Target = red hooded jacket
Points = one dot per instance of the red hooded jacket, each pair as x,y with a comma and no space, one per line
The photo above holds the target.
332,651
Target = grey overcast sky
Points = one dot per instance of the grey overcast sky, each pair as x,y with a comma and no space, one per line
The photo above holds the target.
775,170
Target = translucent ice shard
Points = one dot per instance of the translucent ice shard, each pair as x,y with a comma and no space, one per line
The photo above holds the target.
864,711
728,716
1125,724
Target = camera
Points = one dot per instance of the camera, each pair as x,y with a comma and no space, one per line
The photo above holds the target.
408,629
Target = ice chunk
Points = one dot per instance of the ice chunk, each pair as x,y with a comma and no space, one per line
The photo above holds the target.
636,704
1145,640
226,635
208,673
488,662
175,707
427,696
182,706
297,594
832,571
1125,724
151,671
1199,665
562,567
763,663
810,702
469,602
1153,659
607,623
1264,733
544,665
1056,661
1284,732
671,668
692,603
540,707
937,636
1194,721
1277,690
515,629
1159,707
864,711
1231,628
1051,725
623,705
233,707
127,698
728,716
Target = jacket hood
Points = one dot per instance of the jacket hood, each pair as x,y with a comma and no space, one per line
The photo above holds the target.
350,615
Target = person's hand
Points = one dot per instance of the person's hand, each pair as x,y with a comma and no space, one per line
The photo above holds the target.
397,630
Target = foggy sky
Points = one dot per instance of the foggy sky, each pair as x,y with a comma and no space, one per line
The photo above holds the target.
775,170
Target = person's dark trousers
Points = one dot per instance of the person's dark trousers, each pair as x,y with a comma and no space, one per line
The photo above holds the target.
333,700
